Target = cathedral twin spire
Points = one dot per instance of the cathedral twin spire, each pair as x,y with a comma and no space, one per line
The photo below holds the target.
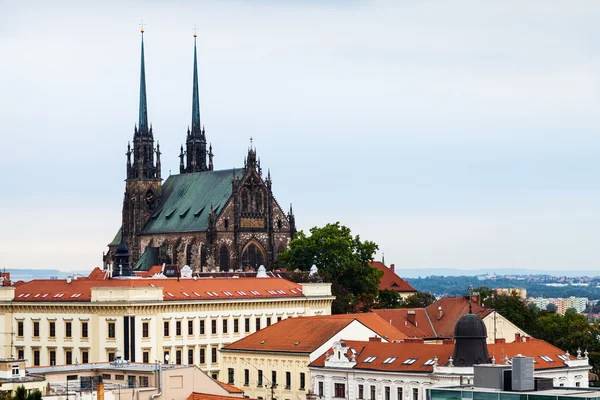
143,166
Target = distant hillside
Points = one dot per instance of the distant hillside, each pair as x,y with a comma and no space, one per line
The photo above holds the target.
423,272
22,274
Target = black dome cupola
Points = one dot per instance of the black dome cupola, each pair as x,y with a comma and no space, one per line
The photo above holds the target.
470,335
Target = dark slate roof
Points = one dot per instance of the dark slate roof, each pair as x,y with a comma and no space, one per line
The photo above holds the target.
117,239
187,199
147,260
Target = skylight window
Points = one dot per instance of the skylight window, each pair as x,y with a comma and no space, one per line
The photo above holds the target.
228,294
215,294
170,294
241,293
431,361
196,294
254,292
409,361
280,291
509,361
21,295
390,360
37,295
210,294
45,295
563,357
293,291
546,358
185,294
76,295
370,359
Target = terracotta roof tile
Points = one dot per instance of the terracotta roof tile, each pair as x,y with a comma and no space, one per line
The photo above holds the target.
453,308
390,280
307,334
230,388
399,318
80,290
425,353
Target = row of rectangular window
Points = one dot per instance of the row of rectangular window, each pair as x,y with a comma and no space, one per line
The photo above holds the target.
339,391
190,356
52,329
190,328
85,357
146,328
259,381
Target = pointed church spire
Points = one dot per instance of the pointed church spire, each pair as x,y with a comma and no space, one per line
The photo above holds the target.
143,122
196,127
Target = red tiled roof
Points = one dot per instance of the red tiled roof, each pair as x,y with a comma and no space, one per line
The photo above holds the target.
390,280
157,269
230,388
427,352
453,308
80,290
97,273
398,317
306,334
205,396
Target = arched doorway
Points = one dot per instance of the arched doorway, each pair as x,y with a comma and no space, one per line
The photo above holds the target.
253,256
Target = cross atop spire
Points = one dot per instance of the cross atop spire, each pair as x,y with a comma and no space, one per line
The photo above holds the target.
196,127
143,119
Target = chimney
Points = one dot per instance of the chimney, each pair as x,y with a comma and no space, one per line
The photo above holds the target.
440,313
393,268
517,337
411,316
375,339
500,340
69,279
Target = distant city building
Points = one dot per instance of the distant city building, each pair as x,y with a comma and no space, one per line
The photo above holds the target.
175,320
562,304
519,292
437,321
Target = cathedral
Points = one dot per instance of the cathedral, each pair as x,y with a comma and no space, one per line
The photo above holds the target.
211,220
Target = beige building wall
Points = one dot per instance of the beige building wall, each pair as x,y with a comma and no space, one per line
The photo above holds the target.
499,327
110,305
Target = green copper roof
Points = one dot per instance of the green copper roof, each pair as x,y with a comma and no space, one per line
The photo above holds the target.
143,123
195,101
147,260
115,242
187,200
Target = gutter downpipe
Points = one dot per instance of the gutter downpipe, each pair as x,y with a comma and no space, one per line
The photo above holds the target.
159,379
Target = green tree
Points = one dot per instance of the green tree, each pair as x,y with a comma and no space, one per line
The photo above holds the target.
20,393
484,292
35,395
419,300
551,307
389,299
515,310
342,259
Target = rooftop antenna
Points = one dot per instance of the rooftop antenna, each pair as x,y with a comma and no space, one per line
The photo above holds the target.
470,299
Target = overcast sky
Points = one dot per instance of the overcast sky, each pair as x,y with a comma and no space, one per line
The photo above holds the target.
459,134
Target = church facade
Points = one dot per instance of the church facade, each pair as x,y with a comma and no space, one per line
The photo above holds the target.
211,220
